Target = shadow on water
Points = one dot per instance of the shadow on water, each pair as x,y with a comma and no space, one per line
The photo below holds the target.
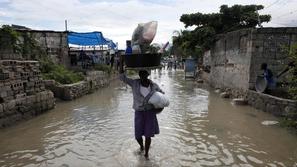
197,129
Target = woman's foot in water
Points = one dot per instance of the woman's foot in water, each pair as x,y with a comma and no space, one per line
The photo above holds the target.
141,150
146,156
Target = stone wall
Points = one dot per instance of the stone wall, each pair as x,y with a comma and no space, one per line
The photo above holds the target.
22,91
93,81
276,106
52,43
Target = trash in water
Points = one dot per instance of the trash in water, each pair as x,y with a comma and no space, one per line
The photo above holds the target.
269,123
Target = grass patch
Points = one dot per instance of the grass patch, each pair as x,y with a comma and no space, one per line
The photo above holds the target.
103,67
59,73
288,123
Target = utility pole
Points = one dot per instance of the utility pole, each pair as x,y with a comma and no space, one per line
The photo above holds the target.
259,21
66,29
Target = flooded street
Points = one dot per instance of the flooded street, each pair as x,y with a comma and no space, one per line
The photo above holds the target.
198,129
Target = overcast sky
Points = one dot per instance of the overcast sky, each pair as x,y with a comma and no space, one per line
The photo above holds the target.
117,19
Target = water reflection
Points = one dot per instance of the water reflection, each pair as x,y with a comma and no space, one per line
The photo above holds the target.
198,129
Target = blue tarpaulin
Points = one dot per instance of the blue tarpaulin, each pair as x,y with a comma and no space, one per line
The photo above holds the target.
111,43
89,39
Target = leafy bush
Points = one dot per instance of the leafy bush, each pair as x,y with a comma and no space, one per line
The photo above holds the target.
290,123
9,39
293,72
59,73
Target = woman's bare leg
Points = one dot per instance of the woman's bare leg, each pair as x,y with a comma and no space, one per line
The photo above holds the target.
147,146
140,142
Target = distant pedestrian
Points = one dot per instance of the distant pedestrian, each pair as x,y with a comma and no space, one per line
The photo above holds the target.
117,62
128,47
267,73
83,58
175,64
111,61
94,59
73,59
107,60
169,65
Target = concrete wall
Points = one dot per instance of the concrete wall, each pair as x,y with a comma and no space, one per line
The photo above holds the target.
230,60
237,56
54,44
268,46
207,58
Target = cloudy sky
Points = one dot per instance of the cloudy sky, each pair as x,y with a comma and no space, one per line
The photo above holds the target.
117,19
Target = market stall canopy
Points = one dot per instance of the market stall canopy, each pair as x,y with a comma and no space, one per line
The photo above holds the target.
111,43
89,39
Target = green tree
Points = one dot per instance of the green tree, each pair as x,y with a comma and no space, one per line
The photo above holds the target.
209,25
293,72
154,48
27,48
184,44
9,39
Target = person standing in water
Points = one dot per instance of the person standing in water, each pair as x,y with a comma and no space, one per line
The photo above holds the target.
267,73
145,119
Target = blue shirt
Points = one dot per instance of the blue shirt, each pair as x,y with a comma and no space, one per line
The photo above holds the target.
269,78
128,50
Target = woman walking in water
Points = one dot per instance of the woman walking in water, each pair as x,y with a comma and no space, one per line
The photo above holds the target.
145,119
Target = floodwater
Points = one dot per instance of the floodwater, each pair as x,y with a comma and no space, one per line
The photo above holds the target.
197,129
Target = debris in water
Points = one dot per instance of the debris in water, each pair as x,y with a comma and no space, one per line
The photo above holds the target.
269,123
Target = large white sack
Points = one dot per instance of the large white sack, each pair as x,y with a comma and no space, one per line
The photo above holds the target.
159,100
149,31
144,33
137,34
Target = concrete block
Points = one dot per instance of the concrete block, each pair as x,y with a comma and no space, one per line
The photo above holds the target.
239,101
11,105
290,111
225,95
31,99
3,94
1,108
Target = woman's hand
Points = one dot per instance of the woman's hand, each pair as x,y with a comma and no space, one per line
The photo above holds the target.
159,110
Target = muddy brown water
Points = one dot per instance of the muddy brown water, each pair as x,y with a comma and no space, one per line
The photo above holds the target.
197,129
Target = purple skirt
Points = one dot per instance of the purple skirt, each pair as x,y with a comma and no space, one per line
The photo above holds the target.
145,124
